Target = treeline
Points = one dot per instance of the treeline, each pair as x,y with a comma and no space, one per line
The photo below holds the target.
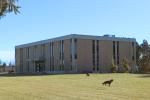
143,57
4,67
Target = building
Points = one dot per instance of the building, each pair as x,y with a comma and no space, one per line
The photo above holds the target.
74,53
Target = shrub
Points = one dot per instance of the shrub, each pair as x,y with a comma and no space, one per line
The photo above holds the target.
125,64
113,67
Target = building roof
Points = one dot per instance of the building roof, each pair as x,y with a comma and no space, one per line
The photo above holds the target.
71,36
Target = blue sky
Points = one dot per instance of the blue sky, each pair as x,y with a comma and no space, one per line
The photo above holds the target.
45,19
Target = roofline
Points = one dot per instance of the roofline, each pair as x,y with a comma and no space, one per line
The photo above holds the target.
71,36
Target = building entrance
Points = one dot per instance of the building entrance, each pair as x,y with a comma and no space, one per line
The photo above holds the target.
39,66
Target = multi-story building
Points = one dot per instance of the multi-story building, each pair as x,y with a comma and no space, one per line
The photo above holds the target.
75,53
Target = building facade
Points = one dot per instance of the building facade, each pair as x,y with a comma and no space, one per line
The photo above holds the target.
74,53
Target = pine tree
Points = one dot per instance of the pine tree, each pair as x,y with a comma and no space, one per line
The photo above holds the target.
7,6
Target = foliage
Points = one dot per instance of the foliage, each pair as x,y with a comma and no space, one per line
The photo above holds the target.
4,64
0,62
7,6
143,56
125,64
113,66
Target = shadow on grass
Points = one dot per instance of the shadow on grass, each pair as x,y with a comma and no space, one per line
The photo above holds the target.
144,76
33,74
24,75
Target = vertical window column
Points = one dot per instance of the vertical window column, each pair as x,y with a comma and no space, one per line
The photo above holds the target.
71,53
75,51
21,60
114,52
50,56
62,55
133,51
52,53
43,56
97,50
93,50
27,54
118,52
35,56
43,50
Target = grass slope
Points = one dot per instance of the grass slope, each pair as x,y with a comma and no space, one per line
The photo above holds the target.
75,87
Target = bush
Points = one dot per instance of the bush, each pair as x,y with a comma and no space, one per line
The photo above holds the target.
125,65
113,67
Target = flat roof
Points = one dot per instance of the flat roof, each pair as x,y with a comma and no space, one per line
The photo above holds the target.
78,36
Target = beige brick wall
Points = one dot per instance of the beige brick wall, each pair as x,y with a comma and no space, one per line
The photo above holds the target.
31,57
67,54
47,56
17,59
56,56
105,54
84,55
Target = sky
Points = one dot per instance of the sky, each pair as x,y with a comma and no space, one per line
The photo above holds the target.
44,19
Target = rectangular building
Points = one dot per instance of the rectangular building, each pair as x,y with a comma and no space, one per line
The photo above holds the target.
74,53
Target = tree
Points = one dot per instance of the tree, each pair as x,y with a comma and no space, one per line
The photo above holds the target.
0,65
7,6
138,52
4,66
125,64
143,56
0,62
10,65
113,66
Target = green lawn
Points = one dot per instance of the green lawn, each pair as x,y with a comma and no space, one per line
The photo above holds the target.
75,87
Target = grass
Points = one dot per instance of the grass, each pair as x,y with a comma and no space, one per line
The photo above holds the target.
75,87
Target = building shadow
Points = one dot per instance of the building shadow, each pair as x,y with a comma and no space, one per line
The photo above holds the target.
34,74
144,76
23,75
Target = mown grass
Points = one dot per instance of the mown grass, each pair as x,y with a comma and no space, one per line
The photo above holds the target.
75,87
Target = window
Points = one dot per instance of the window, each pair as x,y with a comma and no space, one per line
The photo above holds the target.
43,50
61,54
114,52
27,52
75,51
35,51
27,57
133,51
62,50
52,56
28,66
117,52
97,49
70,50
21,59
93,50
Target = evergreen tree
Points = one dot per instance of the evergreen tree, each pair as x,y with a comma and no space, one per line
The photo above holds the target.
143,56
125,64
7,6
